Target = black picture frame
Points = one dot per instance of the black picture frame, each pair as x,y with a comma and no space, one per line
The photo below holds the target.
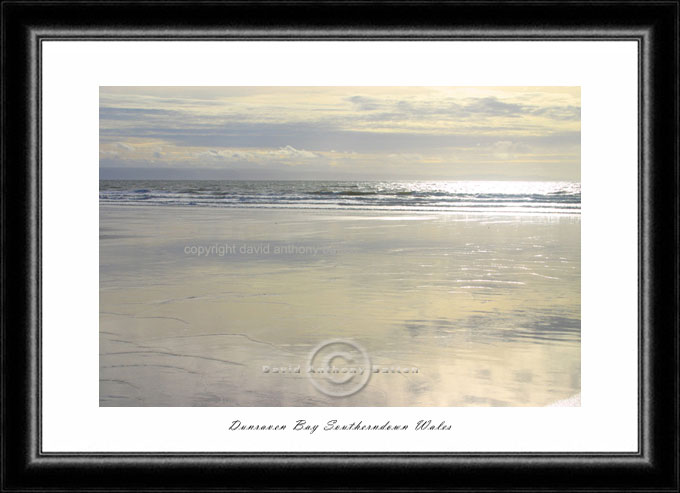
653,24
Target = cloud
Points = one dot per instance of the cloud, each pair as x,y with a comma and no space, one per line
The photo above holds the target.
493,106
471,108
111,113
390,128
505,149
405,157
224,155
126,147
287,138
290,154
567,112
365,103
210,154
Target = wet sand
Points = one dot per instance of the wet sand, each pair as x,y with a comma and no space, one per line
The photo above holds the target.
482,310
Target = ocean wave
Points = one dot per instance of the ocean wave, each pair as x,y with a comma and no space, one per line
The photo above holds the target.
496,197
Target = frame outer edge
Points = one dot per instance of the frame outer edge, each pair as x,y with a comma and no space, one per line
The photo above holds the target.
29,469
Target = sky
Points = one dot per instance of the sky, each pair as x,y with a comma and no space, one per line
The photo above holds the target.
335,133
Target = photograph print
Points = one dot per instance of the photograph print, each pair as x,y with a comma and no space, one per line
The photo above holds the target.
339,246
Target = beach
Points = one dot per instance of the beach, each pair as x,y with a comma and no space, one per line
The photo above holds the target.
204,306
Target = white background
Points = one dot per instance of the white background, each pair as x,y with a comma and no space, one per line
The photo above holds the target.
72,74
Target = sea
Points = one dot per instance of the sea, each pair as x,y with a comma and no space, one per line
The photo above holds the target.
494,197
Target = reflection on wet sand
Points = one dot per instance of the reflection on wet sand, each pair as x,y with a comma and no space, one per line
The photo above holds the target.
487,309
